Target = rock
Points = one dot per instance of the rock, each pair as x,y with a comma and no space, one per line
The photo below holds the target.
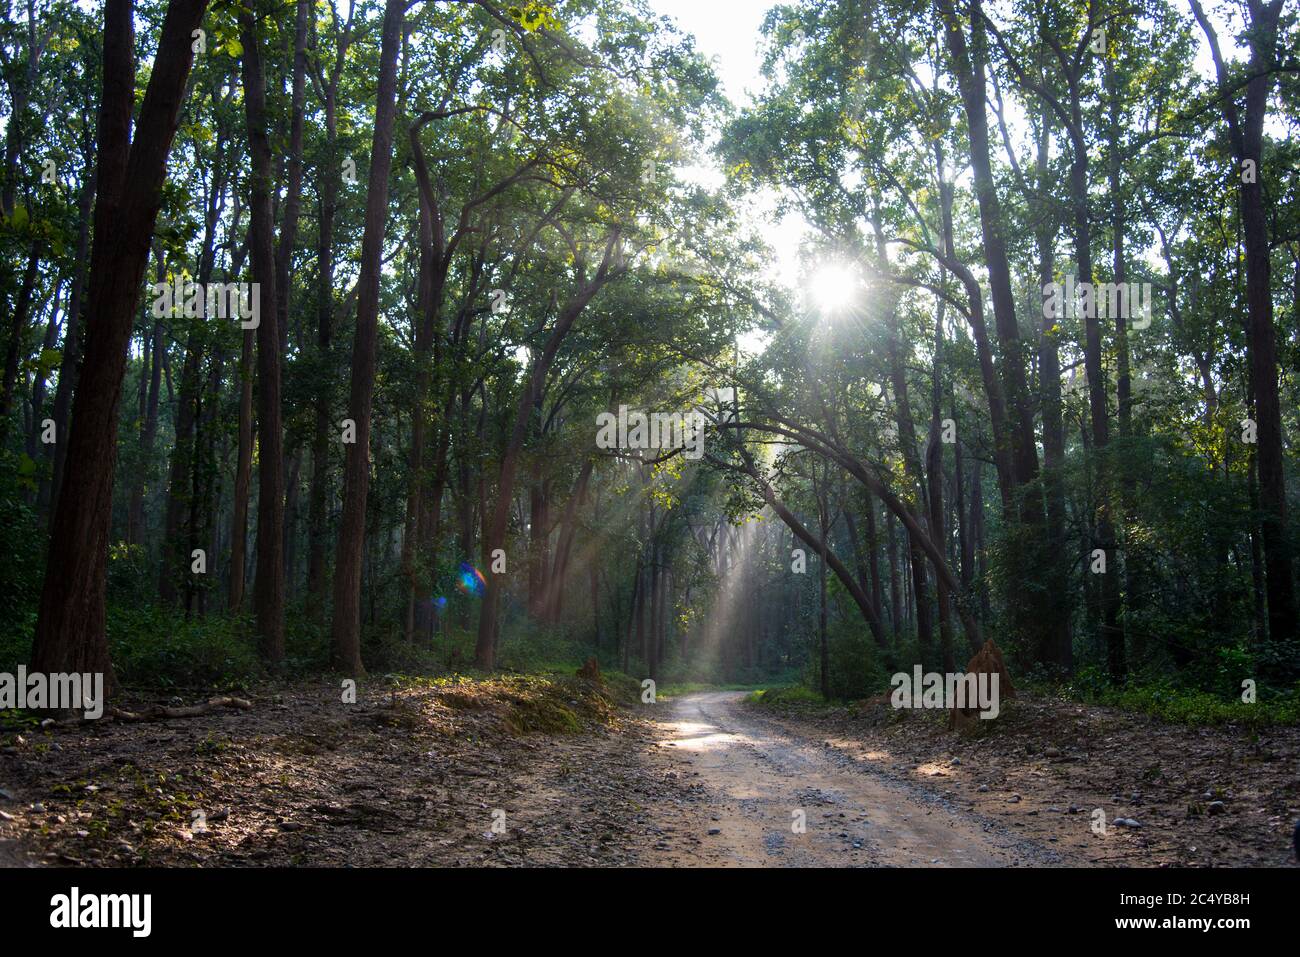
956,762
1126,822
1052,752
6,796
5,816
1216,807
714,830
982,789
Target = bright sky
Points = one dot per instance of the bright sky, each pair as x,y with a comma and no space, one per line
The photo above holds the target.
727,31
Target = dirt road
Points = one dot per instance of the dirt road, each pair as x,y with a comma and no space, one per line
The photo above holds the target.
758,782
459,775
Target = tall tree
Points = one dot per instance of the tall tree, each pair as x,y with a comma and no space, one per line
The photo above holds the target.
70,624
268,585
346,624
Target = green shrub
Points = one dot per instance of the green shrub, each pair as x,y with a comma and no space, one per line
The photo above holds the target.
156,647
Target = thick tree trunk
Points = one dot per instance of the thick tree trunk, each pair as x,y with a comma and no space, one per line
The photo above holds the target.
70,623
968,65
346,625
1247,135
823,638
268,583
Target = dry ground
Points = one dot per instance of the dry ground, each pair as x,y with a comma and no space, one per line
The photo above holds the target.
531,772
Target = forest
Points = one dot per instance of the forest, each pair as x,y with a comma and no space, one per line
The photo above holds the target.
436,344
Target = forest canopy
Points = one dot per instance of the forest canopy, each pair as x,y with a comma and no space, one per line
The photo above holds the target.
353,336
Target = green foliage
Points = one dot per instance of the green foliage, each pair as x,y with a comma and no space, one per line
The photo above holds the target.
158,648
1171,701
535,646
793,698
20,543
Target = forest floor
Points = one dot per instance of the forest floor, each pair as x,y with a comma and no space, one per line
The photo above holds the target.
549,771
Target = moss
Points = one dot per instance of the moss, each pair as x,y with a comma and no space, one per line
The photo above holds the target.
542,715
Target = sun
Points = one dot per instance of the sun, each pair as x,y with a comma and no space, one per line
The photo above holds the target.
833,287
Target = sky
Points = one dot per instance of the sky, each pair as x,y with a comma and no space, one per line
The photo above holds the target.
728,30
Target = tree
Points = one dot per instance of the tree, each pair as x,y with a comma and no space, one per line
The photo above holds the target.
70,625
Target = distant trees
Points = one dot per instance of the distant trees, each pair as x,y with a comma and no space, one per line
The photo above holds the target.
484,219
868,167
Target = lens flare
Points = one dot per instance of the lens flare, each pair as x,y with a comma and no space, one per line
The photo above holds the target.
470,581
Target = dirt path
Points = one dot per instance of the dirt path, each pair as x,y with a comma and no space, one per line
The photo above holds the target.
756,781
470,774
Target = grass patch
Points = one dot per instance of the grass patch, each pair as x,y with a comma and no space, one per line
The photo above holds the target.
1200,708
678,688
1174,703
791,698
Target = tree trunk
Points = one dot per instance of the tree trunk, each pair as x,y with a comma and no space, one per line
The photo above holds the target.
268,583
346,626
18,330
243,478
495,529
70,364
70,623
1247,136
